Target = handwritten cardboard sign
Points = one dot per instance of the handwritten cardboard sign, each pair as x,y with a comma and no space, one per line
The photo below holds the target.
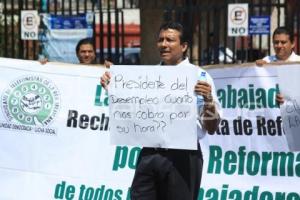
290,111
153,106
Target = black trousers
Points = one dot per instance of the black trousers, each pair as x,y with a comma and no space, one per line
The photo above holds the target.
167,174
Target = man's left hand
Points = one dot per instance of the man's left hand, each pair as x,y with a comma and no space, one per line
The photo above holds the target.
204,89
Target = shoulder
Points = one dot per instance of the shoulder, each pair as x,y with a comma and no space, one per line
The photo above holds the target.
295,57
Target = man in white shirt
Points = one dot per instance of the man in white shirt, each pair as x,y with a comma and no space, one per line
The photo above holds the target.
283,43
175,174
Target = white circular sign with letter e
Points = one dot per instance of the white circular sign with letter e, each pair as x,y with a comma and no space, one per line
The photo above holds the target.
237,19
30,24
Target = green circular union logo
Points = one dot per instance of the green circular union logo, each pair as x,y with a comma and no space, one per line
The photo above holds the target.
31,100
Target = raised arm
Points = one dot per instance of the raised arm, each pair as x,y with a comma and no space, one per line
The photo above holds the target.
210,117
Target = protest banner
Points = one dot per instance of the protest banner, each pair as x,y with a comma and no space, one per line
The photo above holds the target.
248,156
54,141
67,153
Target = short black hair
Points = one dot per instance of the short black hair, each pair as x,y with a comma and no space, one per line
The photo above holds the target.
284,30
176,26
85,41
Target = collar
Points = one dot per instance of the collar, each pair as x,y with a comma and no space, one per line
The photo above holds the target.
183,62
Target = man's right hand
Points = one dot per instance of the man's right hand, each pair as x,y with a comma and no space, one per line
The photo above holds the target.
260,62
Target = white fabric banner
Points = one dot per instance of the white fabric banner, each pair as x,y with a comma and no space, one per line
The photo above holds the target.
67,153
54,139
248,157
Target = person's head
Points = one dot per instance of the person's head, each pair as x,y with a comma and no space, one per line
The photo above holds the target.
172,43
283,42
85,51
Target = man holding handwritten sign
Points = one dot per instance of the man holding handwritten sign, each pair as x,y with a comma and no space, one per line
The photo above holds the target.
175,172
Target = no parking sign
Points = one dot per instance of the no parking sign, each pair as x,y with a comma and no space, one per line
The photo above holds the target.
29,24
238,19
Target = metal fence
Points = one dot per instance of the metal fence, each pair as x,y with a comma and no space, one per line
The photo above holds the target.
12,46
206,22
207,28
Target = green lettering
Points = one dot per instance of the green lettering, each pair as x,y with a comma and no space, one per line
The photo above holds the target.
261,101
231,102
293,196
212,194
134,154
224,192
251,97
98,97
280,195
266,157
281,162
120,157
99,192
243,98
253,163
215,155
201,194
266,196
251,195
242,155
272,97
230,160
235,195
248,97
297,167
222,97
